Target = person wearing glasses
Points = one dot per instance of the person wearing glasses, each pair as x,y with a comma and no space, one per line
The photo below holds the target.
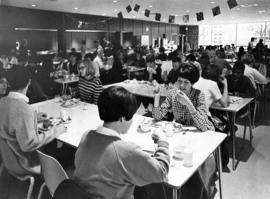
108,167
89,86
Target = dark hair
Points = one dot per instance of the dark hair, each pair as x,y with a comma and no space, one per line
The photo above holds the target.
191,57
189,71
116,102
18,78
176,59
238,65
212,72
247,58
150,58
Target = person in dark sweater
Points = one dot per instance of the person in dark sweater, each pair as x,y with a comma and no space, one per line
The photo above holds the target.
238,83
153,70
108,167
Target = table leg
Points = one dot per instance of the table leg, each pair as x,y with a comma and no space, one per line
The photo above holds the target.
128,73
250,125
233,139
64,91
220,172
175,194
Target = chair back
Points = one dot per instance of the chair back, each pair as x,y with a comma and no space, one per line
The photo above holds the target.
68,189
10,161
52,172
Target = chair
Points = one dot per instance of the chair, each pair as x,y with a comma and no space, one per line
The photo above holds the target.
11,164
52,172
68,189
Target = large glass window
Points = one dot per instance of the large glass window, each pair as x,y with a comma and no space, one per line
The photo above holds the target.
248,30
205,35
238,34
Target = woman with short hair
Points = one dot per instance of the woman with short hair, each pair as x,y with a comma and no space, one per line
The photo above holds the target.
108,167
187,103
189,108
89,85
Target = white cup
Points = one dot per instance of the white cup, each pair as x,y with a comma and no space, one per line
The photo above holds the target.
63,115
178,152
188,157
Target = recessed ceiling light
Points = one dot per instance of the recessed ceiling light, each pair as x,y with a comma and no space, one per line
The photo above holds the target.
103,14
33,5
212,2
115,10
187,10
255,4
176,15
76,8
114,1
150,6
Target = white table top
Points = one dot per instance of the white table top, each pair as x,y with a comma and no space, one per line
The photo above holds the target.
202,144
134,69
82,120
67,81
236,104
141,88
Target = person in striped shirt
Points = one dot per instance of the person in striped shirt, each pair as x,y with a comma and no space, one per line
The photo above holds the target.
89,85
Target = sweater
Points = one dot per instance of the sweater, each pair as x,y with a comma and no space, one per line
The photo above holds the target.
18,128
109,168
90,90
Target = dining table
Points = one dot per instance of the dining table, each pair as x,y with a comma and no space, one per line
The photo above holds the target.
84,117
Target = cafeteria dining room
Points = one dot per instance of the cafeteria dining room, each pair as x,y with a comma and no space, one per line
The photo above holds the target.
133,99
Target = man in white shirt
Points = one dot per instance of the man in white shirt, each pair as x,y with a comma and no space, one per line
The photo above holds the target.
211,90
254,75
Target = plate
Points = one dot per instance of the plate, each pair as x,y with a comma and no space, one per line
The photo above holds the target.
70,103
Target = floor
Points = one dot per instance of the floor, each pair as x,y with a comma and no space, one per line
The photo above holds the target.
250,180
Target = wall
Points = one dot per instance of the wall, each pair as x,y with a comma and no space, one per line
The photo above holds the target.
42,39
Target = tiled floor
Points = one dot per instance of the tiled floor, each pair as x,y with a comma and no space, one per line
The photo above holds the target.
250,180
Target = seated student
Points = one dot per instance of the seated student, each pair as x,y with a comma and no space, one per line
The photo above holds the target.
18,122
3,85
189,108
187,103
89,86
108,167
162,56
153,70
213,95
254,75
238,83
173,75
211,90
72,65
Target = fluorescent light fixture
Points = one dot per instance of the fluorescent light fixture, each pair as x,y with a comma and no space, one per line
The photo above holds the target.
76,8
114,1
150,6
212,2
187,10
115,10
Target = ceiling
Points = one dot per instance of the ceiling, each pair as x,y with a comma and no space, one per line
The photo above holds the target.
246,11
